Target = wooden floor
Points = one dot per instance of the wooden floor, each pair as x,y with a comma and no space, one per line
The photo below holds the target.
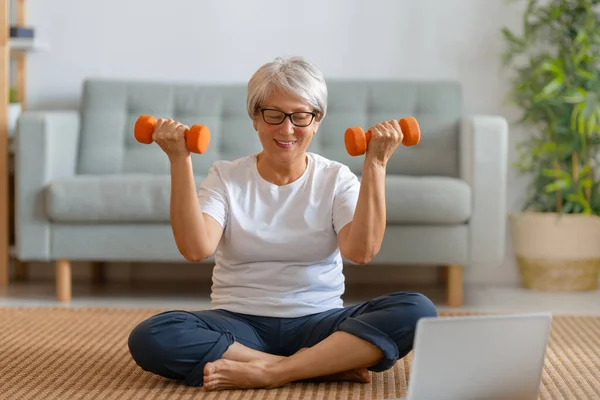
501,298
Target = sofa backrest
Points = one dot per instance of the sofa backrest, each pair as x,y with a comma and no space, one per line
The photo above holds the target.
109,109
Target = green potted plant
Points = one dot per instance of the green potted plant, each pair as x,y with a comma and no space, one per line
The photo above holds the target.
14,111
555,82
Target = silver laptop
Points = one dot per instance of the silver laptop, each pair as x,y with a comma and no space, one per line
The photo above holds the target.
479,357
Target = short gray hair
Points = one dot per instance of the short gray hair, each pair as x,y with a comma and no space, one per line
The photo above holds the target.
293,75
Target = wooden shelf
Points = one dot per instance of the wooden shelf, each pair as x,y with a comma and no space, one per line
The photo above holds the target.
11,49
17,49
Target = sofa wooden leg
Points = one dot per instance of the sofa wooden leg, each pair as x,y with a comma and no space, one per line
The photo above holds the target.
63,281
455,285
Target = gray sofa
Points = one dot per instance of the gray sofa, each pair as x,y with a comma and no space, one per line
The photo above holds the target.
86,190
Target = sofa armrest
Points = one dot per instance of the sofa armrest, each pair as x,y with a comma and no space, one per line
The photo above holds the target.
484,166
46,146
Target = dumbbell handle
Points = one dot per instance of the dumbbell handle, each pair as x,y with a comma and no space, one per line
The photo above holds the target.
197,138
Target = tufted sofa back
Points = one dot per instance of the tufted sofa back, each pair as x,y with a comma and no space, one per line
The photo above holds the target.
109,109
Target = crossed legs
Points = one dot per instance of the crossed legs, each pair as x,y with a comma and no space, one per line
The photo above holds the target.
339,344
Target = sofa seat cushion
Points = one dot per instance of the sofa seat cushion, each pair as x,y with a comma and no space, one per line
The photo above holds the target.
119,198
427,200
145,198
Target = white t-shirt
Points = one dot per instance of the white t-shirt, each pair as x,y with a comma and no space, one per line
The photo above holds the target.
279,254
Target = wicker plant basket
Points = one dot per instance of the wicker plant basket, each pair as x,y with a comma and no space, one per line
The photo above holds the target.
557,252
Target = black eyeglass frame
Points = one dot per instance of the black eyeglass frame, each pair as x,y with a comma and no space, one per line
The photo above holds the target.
288,115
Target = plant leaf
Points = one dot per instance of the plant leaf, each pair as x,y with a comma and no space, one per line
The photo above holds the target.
557,185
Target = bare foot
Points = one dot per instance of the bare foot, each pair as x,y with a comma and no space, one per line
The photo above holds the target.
227,374
359,375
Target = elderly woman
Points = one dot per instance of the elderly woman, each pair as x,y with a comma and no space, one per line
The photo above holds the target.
281,222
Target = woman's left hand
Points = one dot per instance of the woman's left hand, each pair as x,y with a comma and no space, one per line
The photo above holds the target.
386,136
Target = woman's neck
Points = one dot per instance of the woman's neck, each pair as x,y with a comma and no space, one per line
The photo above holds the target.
280,173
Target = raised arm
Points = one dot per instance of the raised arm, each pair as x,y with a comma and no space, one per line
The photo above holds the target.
361,239
196,233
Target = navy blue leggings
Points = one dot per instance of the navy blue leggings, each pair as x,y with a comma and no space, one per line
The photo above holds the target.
177,344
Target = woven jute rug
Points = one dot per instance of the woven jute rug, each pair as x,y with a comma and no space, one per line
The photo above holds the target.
81,353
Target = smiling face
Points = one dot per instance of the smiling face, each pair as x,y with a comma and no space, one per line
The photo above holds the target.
284,142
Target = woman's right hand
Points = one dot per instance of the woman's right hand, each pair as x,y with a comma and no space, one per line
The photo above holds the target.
170,136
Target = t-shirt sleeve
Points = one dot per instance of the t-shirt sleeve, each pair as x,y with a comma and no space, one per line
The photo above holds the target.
345,198
212,196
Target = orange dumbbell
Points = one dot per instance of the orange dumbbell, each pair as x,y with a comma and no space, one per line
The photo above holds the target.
356,140
197,138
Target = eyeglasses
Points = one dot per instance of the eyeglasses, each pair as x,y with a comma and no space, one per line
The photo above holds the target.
276,117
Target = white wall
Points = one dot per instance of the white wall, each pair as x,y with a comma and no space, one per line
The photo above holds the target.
225,41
